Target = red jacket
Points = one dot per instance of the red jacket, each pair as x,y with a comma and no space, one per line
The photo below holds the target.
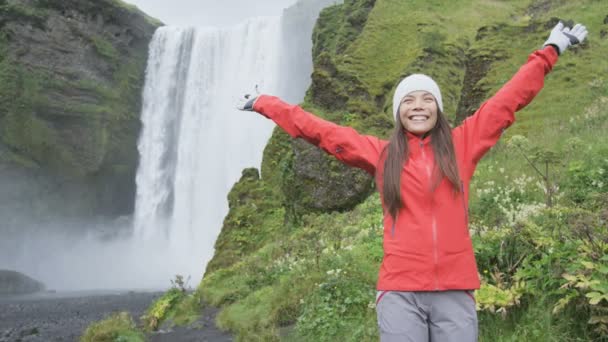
428,248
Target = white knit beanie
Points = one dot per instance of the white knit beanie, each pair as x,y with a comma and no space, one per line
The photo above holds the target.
412,83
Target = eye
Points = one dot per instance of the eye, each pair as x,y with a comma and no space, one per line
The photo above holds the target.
429,99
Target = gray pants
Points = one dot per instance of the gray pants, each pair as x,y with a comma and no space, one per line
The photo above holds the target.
442,316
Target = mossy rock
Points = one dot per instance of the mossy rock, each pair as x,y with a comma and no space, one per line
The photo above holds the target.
70,102
316,181
255,216
16,283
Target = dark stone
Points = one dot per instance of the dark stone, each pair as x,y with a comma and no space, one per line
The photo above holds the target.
321,183
326,92
29,332
15,283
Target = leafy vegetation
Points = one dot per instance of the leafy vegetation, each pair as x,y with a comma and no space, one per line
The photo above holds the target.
117,328
176,305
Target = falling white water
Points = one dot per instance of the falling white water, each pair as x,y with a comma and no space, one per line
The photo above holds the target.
194,142
193,147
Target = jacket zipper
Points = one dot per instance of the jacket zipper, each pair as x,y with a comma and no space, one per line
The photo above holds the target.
464,206
434,222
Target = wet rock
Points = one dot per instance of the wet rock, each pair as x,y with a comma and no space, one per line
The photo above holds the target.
320,183
13,283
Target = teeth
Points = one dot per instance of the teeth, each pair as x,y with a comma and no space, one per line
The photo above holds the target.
418,118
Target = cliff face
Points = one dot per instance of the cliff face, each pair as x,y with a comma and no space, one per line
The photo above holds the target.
71,74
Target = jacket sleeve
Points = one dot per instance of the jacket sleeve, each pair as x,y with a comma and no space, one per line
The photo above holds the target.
346,144
483,129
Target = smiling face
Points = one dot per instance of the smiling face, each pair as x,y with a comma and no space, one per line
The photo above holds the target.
418,112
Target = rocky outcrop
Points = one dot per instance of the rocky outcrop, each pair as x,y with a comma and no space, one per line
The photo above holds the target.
309,179
15,283
318,182
71,74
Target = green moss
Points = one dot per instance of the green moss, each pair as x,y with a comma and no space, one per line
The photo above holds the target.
162,309
275,154
28,128
105,48
33,118
23,13
21,129
339,25
254,218
71,125
109,9
327,29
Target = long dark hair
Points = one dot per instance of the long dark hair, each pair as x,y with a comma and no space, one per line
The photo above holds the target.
397,149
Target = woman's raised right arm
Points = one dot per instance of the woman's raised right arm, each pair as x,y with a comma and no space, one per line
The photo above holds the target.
345,143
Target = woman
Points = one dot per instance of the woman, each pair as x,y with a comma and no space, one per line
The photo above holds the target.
423,172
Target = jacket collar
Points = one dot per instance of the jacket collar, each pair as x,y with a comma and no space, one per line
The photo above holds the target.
414,138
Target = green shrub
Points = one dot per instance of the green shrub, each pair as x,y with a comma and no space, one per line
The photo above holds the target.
338,304
117,328
166,306
557,254
586,179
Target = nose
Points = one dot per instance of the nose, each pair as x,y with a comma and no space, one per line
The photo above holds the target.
418,103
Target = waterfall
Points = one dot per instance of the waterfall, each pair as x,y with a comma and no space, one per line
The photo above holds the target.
194,142
193,147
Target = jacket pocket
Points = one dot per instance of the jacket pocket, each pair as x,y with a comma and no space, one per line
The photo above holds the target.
471,295
379,295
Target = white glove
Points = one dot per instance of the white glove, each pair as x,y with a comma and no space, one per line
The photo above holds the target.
562,38
248,100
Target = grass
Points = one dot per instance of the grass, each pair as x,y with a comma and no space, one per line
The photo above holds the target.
392,40
118,327
588,127
533,322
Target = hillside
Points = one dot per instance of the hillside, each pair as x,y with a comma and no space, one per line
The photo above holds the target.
298,255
